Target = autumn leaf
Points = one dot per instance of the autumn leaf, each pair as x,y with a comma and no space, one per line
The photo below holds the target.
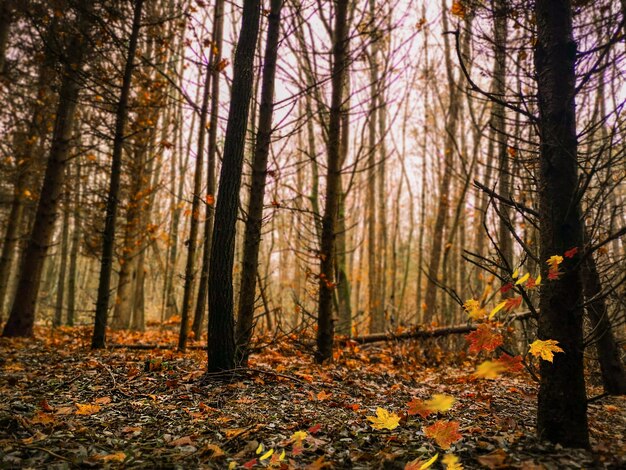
554,262
496,309
444,433
489,370
484,338
458,9
474,309
512,303
267,455
545,349
86,409
115,457
571,252
506,287
183,441
522,279
384,420
452,462
297,438
418,464
437,403
512,363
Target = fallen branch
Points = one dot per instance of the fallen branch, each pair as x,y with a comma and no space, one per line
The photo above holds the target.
422,333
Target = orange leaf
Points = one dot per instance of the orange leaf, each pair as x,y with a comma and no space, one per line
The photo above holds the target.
512,363
444,433
484,338
418,407
512,303
86,409
458,9
182,441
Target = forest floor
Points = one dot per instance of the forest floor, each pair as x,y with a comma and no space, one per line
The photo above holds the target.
63,406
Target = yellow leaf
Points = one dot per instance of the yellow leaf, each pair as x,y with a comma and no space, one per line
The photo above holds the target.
417,464
440,402
474,310
522,279
538,280
545,349
384,420
260,449
496,309
86,409
232,465
489,370
452,462
515,274
554,262
267,454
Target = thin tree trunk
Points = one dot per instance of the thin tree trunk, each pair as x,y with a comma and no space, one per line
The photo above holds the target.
75,250
108,238
221,334
65,239
216,55
562,408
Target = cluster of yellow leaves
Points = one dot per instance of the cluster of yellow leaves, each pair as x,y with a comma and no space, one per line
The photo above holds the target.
452,462
474,309
545,349
554,263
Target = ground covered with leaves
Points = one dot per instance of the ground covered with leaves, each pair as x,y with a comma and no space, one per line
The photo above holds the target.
64,406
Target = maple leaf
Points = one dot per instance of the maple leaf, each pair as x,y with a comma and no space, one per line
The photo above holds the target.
571,252
484,337
489,370
532,282
384,420
452,462
86,409
297,438
444,433
474,310
441,403
522,279
418,407
512,363
545,349
512,303
418,464
554,262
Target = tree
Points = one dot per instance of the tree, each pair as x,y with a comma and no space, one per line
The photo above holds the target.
562,407
221,334
325,322
22,316
252,240
108,239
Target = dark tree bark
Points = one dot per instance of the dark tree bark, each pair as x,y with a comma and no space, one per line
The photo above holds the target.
108,238
325,323
216,57
252,240
221,332
562,408
6,18
22,317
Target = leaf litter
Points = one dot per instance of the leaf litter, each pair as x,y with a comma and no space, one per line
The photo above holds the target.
380,406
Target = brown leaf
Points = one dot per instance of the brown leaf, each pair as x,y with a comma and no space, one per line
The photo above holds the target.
103,400
494,459
182,441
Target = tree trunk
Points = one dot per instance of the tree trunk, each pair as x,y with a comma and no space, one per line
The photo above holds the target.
325,322
221,334
65,240
562,408
216,57
108,238
22,317
6,18
75,250
247,293
195,215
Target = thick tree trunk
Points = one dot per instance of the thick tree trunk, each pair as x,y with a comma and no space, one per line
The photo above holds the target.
325,322
221,334
22,317
6,18
562,408
108,238
252,241
216,57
